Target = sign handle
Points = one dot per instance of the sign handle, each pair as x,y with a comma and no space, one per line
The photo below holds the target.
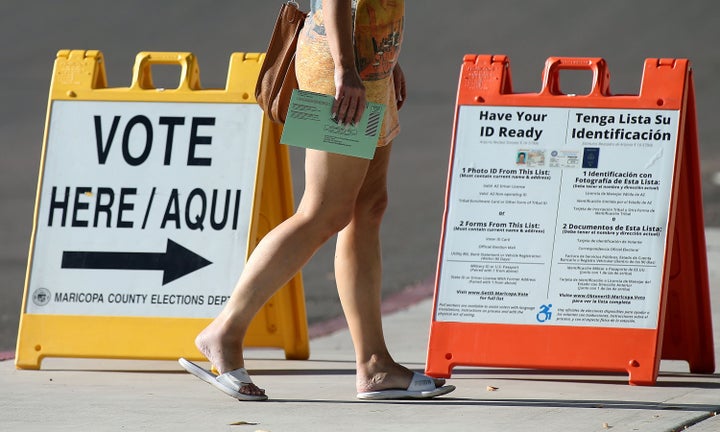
142,70
598,66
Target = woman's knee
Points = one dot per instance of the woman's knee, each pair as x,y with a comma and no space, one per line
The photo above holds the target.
328,221
338,219
370,207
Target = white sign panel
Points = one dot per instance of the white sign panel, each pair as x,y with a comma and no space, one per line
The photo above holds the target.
144,208
557,216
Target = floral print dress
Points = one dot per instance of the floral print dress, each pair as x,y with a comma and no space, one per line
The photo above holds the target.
378,36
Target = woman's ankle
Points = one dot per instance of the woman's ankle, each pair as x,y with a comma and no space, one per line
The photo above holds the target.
223,349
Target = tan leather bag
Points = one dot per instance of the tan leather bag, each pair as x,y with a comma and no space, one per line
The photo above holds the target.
277,80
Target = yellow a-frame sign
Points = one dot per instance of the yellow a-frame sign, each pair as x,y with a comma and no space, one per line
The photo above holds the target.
149,201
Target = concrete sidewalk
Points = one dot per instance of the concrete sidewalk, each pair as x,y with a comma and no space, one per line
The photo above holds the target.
318,394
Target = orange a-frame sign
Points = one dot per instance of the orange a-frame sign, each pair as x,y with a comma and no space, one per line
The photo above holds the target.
573,235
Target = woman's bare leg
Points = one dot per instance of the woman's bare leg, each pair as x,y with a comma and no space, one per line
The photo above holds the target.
332,185
358,271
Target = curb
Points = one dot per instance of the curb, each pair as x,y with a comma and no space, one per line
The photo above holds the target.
402,299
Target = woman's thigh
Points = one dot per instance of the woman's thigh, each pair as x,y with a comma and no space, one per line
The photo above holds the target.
332,184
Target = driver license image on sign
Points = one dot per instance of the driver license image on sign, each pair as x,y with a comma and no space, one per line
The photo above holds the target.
144,208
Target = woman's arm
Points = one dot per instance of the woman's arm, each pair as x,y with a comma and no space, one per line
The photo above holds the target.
349,89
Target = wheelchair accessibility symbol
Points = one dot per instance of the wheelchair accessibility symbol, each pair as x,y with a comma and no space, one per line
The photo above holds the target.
545,313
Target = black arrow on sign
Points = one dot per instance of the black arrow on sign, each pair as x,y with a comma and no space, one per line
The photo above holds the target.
175,262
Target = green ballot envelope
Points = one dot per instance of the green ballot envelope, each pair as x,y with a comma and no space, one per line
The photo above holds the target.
309,124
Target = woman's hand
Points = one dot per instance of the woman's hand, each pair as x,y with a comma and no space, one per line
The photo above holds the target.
350,99
399,81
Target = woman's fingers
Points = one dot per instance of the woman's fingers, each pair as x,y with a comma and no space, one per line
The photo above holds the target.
400,89
348,108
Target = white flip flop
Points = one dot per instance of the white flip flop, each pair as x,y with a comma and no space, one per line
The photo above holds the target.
229,382
421,387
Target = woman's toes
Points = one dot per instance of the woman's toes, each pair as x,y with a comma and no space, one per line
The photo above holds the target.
252,390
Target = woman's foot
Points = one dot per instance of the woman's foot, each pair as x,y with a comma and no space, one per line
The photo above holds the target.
377,375
224,351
